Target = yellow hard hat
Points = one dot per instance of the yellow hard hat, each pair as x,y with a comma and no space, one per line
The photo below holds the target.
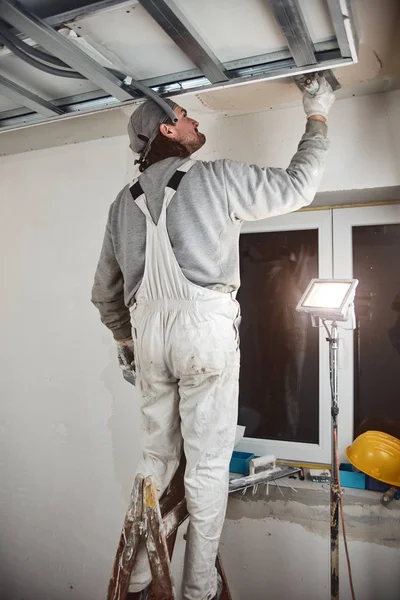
378,455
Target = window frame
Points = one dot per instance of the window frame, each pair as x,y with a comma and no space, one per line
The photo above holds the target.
299,451
344,219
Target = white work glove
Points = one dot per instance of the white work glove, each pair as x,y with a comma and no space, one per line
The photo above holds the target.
126,359
319,103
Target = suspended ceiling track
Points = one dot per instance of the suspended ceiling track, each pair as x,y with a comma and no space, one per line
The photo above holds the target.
174,23
291,21
23,96
302,56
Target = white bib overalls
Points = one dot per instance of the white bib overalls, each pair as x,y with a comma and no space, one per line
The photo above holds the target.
187,358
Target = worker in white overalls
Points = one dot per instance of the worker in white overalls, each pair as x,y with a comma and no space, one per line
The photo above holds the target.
165,286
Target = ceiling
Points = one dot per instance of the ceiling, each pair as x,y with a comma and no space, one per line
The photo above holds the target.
377,69
219,52
114,34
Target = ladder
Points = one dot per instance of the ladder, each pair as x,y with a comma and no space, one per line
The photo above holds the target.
157,523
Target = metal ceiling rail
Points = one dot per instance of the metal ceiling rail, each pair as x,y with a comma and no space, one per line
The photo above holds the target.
16,118
55,18
234,67
265,72
178,28
340,12
283,69
52,41
182,81
301,57
291,21
66,105
22,96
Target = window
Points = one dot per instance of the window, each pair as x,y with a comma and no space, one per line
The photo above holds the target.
366,243
284,386
283,401
376,263
279,376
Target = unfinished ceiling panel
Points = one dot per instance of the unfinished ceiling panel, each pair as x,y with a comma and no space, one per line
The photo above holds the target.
318,20
100,52
7,104
133,41
221,24
48,86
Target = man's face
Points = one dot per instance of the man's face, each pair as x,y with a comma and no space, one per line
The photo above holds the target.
184,131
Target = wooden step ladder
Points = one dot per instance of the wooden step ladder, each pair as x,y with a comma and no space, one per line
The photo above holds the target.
157,524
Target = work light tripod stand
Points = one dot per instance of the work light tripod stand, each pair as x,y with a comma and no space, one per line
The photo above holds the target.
333,340
332,300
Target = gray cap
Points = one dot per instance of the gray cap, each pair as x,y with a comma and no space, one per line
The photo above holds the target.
144,124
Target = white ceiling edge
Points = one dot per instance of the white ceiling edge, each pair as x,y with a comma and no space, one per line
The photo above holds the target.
71,129
112,122
378,195
356,79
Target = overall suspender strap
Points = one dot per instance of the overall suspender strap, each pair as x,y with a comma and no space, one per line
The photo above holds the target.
136,189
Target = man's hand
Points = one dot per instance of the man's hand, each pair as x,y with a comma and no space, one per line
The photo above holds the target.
320,103
126,359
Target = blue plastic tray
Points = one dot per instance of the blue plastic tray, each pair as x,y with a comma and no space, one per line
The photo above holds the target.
350,478
240,462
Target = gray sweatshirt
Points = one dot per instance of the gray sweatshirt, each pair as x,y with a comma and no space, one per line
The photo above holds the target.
203,221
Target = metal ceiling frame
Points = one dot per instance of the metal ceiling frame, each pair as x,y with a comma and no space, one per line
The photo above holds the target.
302,56
291,21
56,44
178,28
343,22
19,94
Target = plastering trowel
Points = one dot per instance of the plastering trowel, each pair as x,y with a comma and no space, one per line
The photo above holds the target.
309,81
262,470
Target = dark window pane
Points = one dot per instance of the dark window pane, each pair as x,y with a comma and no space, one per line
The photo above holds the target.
279,379
376,263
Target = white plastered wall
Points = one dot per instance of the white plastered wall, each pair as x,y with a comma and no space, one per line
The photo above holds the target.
69,423
277,546
364,145
393,113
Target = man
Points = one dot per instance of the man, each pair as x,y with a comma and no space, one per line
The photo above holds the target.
171,255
